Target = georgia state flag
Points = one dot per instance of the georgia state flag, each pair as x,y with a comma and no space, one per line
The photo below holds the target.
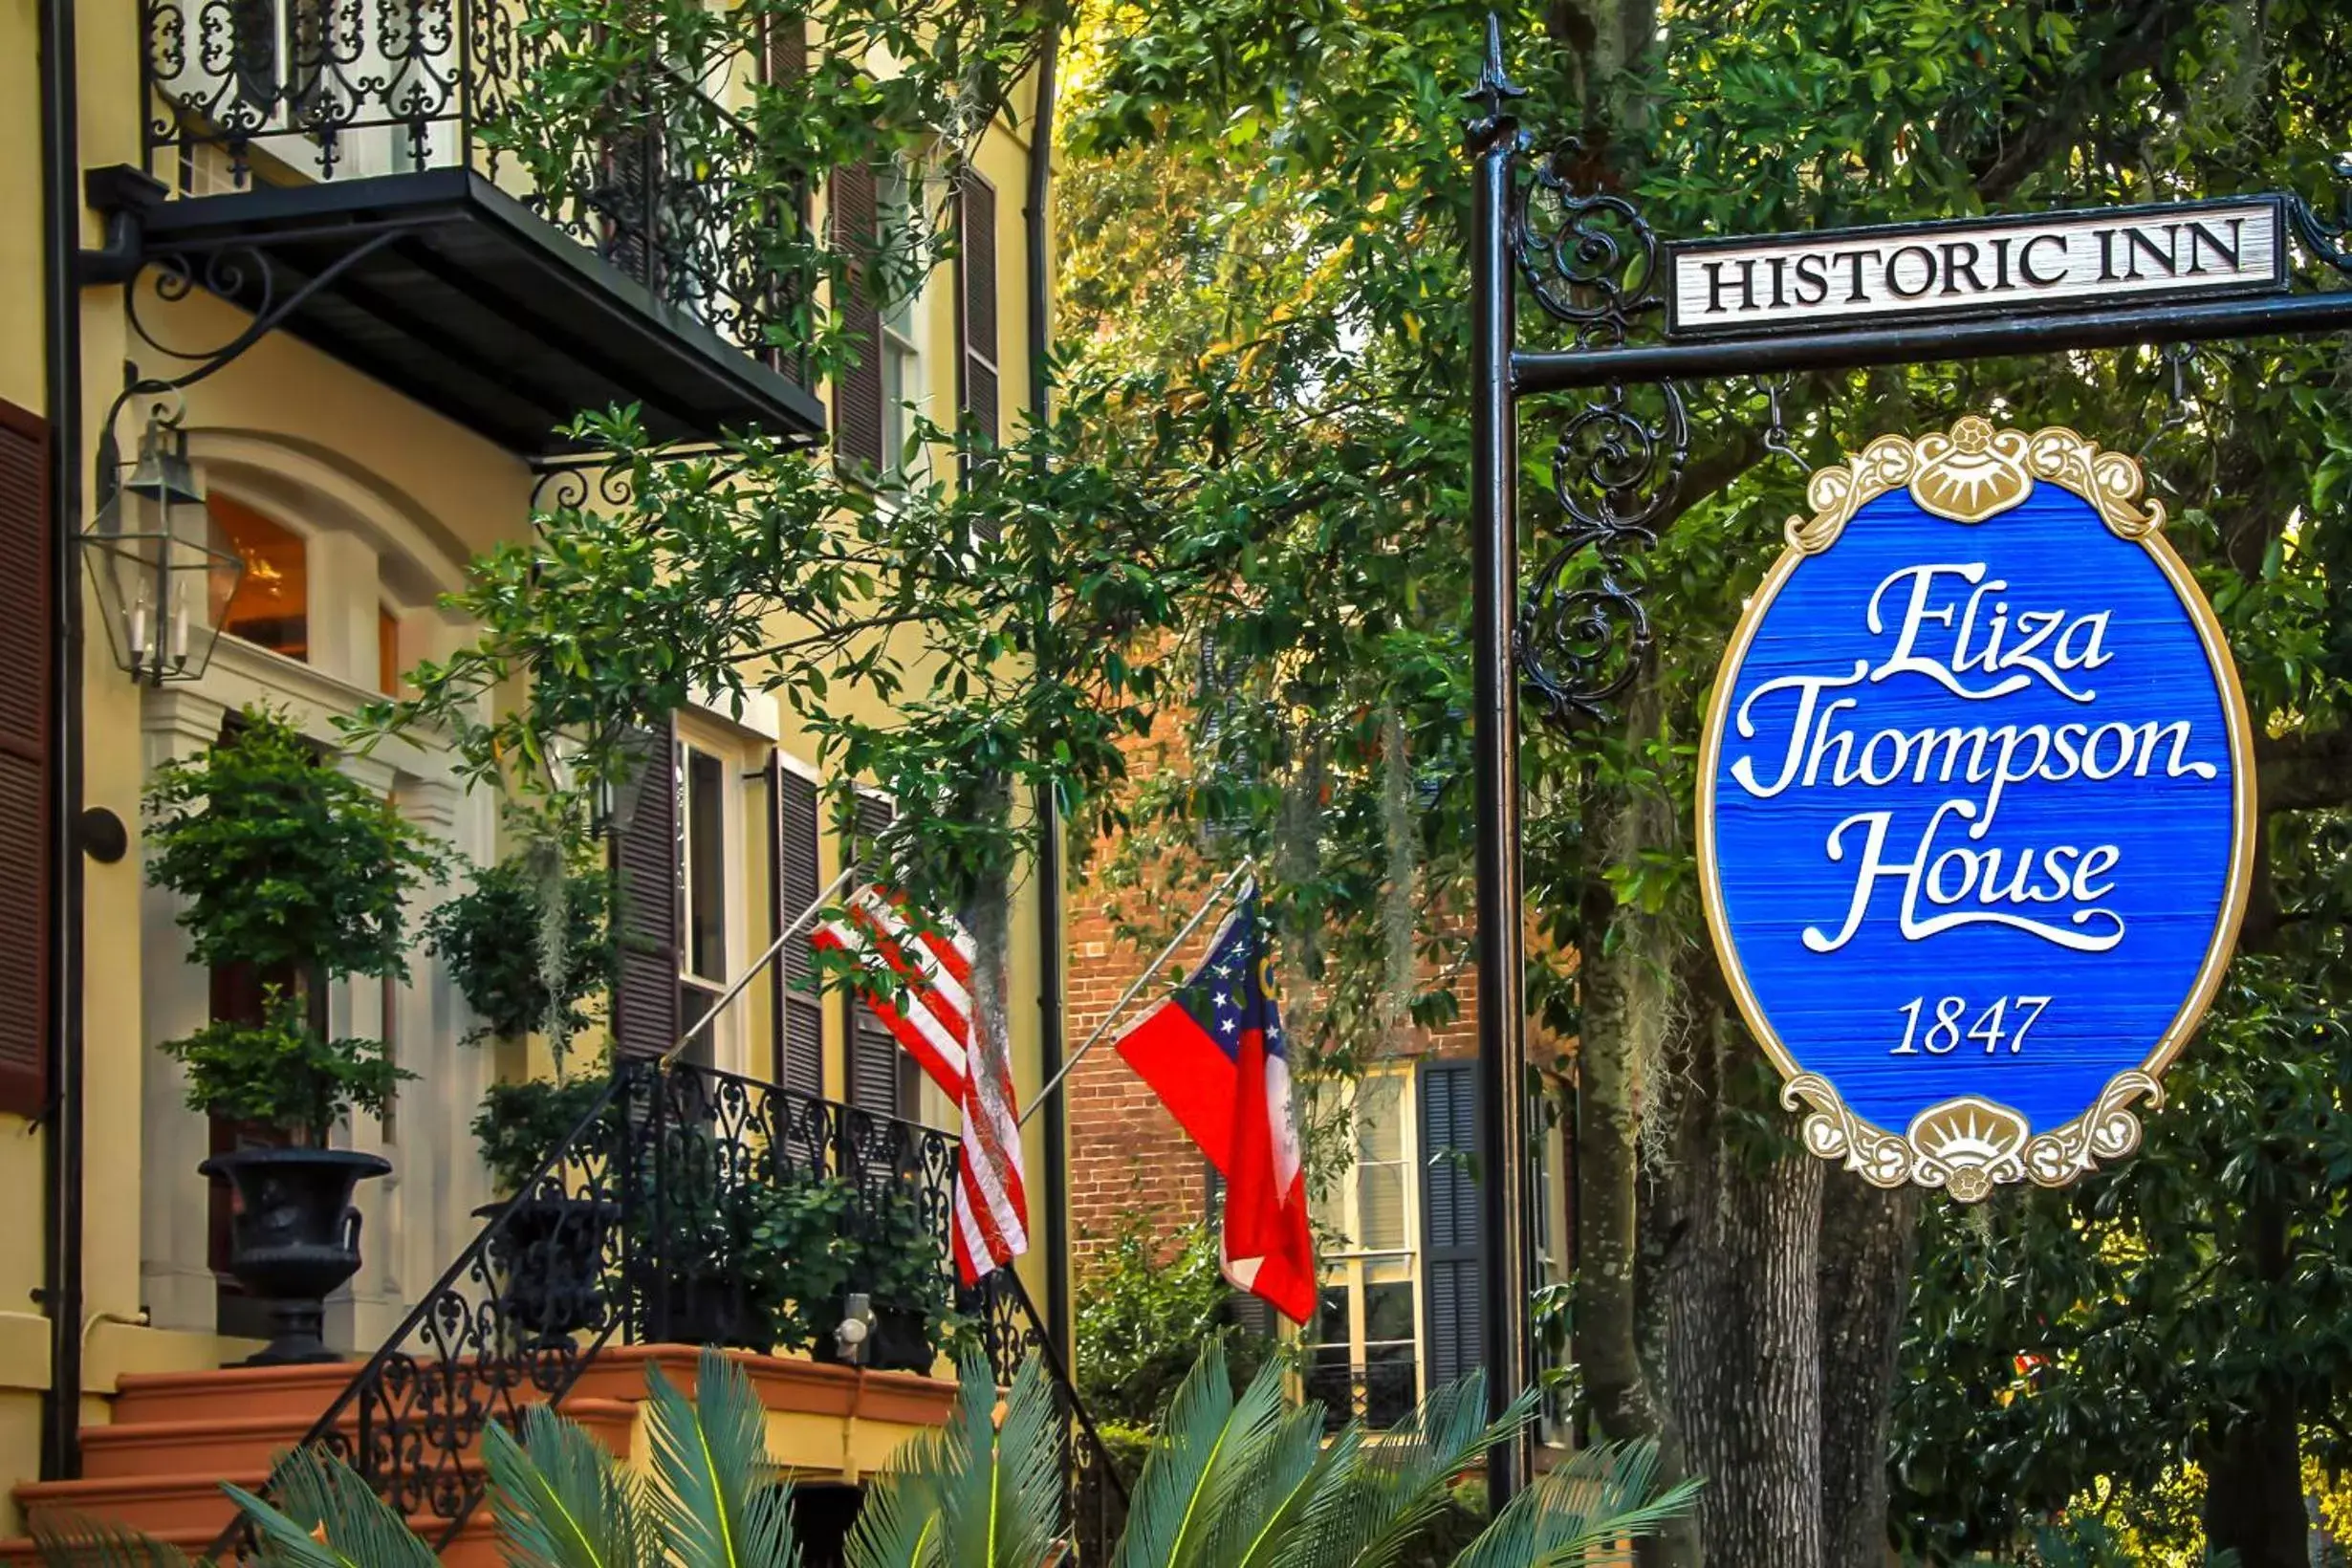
1214,1053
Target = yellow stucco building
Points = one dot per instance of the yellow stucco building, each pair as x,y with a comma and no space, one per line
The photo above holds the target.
421,318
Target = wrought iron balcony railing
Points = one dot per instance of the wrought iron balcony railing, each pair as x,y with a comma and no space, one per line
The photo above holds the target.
654,175
644,1226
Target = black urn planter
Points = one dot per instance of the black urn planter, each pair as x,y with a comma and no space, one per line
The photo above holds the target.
702,1307
294,1237
549,1262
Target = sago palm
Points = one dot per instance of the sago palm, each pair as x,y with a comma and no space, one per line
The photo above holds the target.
1236,1481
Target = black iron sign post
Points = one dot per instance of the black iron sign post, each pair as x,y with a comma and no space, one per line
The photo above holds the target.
1574,634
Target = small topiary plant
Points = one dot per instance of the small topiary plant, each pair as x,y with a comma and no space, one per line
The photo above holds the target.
301,872
496,939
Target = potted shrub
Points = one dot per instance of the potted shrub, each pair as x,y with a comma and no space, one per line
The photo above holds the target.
528,945
301,873
699,1270
550,1253
896,1259
800,1259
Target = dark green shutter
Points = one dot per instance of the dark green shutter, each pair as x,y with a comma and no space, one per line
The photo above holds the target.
646,995
881,1072
975,265
1450,1269
25,563
799,1015
858,388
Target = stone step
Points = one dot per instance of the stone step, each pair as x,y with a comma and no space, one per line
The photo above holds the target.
300,1392
239,1442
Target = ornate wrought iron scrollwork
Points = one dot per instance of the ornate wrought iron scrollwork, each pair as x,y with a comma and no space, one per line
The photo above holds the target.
1584,629
243,272
1588,256
2328,234
567,486
633,1230
656,176
1592,262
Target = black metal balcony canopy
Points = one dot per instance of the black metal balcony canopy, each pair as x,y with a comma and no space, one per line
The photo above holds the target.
448,288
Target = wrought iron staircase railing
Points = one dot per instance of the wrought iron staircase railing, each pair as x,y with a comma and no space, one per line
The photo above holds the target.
655,174
626,1234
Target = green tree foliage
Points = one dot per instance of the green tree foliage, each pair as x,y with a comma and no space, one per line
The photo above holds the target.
491,936
1149,1302
1268,203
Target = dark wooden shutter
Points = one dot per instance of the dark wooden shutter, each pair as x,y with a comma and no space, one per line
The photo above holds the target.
629,155
881,1072
1450,1219
858,388
784,63
785,51
976,302
645,997
25,571
799,1015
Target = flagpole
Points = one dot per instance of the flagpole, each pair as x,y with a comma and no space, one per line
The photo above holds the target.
765,959
1216,896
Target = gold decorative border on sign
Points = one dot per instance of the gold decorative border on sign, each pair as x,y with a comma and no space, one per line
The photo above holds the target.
1969,1144
1976,472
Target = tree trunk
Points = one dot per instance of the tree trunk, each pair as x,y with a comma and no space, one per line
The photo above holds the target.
2254,1487
1746,1383
1869,1236
1606,1346
986,915
2253,1467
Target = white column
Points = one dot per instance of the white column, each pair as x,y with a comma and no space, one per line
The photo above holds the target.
367,1308
176,1278
345,604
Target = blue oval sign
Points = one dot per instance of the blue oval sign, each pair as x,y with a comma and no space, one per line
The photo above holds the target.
1976,809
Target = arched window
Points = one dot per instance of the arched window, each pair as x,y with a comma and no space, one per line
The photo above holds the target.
271,608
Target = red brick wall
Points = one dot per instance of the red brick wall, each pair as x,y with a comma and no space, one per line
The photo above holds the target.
1126,1153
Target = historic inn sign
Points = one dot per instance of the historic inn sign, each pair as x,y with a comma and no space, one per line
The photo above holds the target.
1911,271
1977,793
1975,808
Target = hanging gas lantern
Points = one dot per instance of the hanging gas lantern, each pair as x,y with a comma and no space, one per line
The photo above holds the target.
165,569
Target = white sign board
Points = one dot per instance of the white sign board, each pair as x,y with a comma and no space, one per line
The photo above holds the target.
1990,266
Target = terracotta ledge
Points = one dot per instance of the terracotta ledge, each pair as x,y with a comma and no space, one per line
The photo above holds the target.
784,1383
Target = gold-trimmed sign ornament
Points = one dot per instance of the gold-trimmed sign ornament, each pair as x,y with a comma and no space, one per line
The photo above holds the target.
1976,809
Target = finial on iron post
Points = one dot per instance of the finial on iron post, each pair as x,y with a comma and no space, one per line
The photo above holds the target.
1494,94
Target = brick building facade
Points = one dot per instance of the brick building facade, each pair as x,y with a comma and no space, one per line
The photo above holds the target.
1397,1232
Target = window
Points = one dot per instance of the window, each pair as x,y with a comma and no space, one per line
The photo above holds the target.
272,609
702,889
1363,1357
388,651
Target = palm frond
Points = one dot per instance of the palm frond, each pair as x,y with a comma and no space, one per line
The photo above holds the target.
1299,1468
1601,1500
1168,1494
1234,1496
1002,1503
561,1500
900,1524
68,1539
713,1501
327,1516
1401,1487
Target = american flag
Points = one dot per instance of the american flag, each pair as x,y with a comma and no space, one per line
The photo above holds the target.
930,1014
